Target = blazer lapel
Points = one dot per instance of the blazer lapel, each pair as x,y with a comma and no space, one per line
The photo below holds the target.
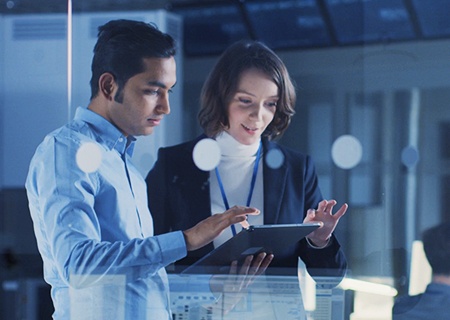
198,195
274,186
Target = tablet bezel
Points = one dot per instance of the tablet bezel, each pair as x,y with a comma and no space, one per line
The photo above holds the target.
273,238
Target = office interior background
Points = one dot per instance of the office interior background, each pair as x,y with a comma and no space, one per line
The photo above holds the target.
373,86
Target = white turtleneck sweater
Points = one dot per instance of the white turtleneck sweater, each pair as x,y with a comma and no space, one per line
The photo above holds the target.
236,170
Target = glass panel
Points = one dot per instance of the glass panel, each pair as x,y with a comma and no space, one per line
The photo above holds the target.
358,21
33,102
210,29
302,23
389,99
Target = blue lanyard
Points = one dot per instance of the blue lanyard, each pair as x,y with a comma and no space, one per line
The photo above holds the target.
252,185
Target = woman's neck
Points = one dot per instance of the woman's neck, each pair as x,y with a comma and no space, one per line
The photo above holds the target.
231,147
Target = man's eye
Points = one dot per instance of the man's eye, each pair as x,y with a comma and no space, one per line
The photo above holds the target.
151,92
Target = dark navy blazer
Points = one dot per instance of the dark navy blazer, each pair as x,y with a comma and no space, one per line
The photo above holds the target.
179,198
434,304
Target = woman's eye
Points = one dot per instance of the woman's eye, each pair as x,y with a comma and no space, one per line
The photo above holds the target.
272,104
243,100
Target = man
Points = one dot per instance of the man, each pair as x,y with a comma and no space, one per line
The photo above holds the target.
435,301
93,227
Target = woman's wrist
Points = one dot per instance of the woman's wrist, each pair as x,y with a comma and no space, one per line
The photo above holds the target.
316,245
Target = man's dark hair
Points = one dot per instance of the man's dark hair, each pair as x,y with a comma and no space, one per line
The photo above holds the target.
436,244
121,47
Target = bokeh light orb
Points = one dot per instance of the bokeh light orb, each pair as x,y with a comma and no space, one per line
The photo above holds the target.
346,152
274,158
89,157
206,154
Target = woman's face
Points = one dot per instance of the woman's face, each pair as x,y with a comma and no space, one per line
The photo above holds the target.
252,106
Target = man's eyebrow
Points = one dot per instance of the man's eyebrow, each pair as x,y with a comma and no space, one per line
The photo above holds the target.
159,84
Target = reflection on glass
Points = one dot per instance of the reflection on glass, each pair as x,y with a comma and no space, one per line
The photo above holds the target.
346,152
274,159
420,269
35,68
206,154
410,156
89,157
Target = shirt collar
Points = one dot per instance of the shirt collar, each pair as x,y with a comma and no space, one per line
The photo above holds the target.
109,135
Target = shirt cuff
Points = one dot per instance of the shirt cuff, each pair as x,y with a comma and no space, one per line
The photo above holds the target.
173,246
317,247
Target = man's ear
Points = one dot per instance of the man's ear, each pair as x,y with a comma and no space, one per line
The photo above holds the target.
107,85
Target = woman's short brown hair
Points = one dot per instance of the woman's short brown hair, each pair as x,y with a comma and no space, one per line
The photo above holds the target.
222,82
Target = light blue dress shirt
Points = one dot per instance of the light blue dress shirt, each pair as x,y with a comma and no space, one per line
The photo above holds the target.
94,230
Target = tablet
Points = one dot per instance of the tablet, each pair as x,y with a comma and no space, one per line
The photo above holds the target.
272,238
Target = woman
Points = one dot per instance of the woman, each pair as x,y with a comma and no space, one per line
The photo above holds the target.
246,102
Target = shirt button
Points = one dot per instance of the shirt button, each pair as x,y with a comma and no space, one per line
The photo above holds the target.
120,139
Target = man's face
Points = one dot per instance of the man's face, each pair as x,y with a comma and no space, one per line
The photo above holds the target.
145,98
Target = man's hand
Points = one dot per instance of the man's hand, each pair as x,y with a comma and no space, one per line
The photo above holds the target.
207,230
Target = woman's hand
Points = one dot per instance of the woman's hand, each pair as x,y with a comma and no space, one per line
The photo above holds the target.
324,215
232,287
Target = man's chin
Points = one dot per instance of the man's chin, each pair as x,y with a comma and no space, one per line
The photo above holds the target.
148,131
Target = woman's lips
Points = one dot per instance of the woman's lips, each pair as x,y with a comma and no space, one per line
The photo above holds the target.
249,130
